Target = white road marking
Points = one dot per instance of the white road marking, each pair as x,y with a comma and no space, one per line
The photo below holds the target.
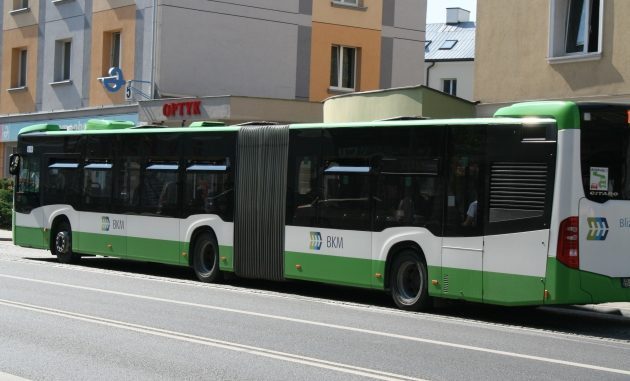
572,337
333,326
256,351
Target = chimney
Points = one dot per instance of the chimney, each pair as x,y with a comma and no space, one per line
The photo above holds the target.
457,15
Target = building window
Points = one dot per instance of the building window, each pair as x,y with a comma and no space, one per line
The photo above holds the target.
449,86
18,68
112,45
576,28
20,4
351,3
343,67
426,45
115,51
63,54
448,44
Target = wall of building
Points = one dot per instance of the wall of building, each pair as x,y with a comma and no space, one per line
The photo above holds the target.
416,101
121,19
368,42
511,56
21,19
403,35
19,100
66,21
462,71
215,48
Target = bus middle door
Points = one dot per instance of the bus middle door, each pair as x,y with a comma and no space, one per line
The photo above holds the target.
463,242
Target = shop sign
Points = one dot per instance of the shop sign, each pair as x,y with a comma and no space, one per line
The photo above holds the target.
181,108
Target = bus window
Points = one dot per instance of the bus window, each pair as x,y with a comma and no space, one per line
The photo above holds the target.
127,185
27,189
345,199
209,189
605,158
407,200
97,186
159,189
62,185
465,194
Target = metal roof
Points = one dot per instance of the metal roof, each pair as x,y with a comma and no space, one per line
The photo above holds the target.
443,35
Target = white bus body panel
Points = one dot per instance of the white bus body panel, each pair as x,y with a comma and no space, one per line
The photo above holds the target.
334,242
383,241
568,189
519,253
605,239
463,253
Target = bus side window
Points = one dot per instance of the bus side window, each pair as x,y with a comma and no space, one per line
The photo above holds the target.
465,189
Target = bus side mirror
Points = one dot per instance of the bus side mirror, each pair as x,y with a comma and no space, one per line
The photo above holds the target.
14,164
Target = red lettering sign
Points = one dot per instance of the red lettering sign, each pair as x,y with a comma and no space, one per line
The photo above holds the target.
181,108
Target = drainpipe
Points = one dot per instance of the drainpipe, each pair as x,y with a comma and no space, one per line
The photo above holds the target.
429,69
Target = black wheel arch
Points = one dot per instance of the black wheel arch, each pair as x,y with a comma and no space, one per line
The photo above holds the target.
58,220
394,251
193,240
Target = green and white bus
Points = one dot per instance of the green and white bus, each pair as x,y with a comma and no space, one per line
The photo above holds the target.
530,207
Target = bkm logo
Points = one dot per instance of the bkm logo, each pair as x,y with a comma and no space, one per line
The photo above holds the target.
597,228
316,241
105,224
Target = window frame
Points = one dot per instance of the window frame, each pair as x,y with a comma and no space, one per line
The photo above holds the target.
448,44
63,60
559,31
19,69
115,51
340,66
20,6
348,3
452,86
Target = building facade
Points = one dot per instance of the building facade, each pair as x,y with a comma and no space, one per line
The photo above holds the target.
551,49
449,54
57,57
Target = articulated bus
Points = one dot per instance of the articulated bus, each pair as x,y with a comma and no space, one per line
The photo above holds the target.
530,207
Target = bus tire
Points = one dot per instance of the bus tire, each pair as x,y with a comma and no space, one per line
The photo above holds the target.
206,258
62,244
408,281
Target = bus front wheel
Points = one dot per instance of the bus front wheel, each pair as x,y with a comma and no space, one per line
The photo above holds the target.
62,244
408,281
206,258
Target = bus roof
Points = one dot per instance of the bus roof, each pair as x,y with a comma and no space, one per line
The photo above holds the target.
419,123
565,114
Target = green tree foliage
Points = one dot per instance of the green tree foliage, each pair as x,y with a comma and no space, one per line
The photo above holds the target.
6,203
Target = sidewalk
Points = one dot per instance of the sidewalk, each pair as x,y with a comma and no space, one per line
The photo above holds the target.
622,309
6,235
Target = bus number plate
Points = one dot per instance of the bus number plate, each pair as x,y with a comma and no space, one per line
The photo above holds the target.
625,282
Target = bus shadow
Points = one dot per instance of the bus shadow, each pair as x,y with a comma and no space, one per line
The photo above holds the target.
565,319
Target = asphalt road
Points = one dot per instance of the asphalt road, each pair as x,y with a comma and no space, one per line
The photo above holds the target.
115,319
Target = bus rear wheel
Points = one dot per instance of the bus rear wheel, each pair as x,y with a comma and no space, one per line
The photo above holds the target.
206,258
408,280
62,244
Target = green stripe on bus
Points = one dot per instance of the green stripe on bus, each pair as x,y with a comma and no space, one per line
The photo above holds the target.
488,287
226,258
571,286
332,269
30,237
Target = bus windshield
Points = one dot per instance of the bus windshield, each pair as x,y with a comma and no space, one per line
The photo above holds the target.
605,152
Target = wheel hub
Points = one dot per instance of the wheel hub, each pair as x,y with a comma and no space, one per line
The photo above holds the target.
62,242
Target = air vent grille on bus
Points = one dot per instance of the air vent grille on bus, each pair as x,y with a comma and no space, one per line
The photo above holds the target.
445,284
517,190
